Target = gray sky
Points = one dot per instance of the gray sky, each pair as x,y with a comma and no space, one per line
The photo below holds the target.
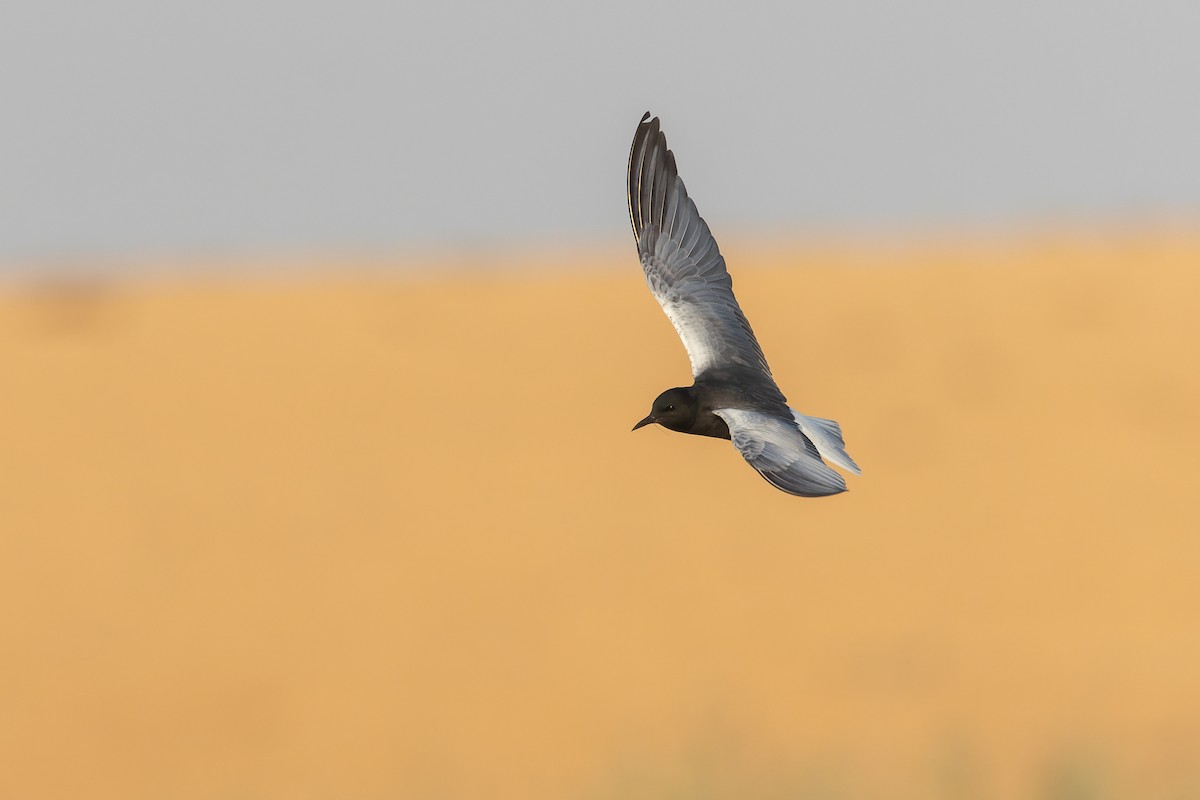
138,127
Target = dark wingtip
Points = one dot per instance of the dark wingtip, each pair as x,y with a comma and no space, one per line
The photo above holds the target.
647,130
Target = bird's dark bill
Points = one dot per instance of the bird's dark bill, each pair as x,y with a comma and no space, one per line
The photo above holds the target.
644,422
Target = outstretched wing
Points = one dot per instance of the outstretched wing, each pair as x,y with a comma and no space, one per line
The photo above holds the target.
684,269
781,453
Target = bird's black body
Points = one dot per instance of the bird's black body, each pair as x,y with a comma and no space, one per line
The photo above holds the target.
734,395
690,409
687,410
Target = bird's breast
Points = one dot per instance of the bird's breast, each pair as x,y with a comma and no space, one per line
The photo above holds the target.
709,424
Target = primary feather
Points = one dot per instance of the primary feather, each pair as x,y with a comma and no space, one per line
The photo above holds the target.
683,265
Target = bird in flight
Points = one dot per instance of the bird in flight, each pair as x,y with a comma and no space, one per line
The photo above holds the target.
733,395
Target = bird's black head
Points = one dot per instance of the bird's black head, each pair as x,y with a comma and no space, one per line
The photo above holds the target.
675,409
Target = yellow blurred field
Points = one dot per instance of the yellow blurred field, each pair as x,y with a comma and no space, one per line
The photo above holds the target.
381,536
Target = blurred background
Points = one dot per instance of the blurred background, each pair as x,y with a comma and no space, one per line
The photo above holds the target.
322,332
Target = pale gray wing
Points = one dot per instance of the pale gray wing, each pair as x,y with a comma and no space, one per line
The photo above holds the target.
684,269
781,453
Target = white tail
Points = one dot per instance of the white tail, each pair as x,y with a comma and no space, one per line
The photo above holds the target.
827,436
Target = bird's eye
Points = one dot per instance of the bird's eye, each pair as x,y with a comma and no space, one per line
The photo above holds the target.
670,408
